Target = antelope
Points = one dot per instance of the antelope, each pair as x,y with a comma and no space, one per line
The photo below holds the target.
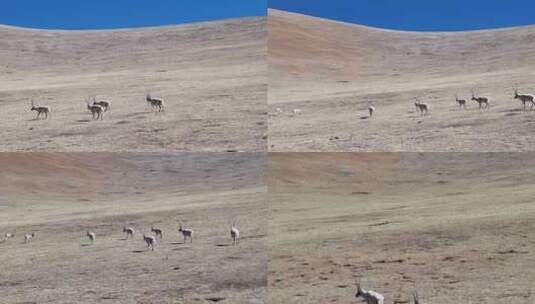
415,297
461,102
186,233
155,103
129,232
480,100
234,233
296,111
370,296
28,237
7,236
95,110
150,240
371,109
40,110
91,235
525,98
421,106
158,232
106,105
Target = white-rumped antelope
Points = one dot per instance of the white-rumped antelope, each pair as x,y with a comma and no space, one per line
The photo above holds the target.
91,235
155,103
129,231
371,110
234,233
106,105
28,237
96,111
524,98
481,100
461,102
186,233
150,241
40,110
157,232
370,296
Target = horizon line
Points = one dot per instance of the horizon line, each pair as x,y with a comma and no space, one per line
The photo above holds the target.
137,27
378,28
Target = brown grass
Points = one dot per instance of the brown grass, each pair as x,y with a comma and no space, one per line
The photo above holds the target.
206,192
445,224
333,71
209,73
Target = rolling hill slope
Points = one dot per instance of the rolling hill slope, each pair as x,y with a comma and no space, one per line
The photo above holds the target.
333,71
209,73
453,226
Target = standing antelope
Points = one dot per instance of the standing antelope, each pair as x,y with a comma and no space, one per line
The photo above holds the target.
7,236
480,100
155,103
415,297
28,237
158,232
421,106
95,110
525,98
40,110
106,105
461,102
370,296
150,241
371,109
186,233
91,235
129,232
234,233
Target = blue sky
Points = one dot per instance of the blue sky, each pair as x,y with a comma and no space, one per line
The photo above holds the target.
418,15
105,14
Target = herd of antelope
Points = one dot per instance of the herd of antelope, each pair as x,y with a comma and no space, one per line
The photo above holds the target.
150,241
97,108
482,101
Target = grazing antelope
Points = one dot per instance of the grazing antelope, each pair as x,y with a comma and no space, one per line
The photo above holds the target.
158,232
461,102
28,237
96,110
371,109
129,232
421,106
370,296
106,105
7,236
91,235
150,241
155,103
480,100
186,233
525,98
40,110
234,234
296,111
